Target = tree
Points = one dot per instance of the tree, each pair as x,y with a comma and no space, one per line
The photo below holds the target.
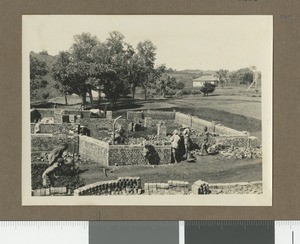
60,73
207,88
112,66
37,80
222,76
73,69
245,76
146,51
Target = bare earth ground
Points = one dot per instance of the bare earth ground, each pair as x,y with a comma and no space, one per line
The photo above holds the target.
212,169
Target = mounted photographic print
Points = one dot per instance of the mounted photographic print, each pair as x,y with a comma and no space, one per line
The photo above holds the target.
148,110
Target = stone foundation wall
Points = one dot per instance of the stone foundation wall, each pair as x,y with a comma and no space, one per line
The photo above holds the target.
54,128
94,149
121,186
134,154
237,188
250,142
198,124
47,142
170,188
155,115
52,191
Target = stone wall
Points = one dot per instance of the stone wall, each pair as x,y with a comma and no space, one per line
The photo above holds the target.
54,128
237,188
51,191
94,149
134,154
170,188
121,186
47,142
250,142
155,115
198,124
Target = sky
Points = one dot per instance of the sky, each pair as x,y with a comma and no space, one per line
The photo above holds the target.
183,41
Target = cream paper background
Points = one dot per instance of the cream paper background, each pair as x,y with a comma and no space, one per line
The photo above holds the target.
264,23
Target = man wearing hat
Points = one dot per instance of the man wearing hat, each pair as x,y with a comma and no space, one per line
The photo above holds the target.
175,139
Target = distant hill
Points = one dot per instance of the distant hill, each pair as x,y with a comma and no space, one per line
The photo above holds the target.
49,60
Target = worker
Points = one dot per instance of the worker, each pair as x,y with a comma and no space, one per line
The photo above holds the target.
57,153
50,170
204,146
175,139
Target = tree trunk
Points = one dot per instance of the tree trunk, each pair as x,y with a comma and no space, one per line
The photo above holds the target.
66,100
145,90
91,97
99,98
133,91
83,96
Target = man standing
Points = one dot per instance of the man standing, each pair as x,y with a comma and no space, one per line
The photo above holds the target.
174,145
204,146
186,136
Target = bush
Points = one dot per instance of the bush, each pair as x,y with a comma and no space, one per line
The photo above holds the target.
195,92
207,88
186,91
178,93
170,92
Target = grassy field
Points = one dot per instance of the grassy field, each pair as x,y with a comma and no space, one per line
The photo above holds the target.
238,112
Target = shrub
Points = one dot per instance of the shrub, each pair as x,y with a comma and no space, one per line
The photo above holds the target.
186,91
207,88
195,92
178,93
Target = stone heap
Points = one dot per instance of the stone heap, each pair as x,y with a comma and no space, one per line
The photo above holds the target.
170,188
200,187
121,186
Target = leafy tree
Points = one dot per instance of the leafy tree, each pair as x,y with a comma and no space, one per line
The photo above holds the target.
72,69
222,76
60,72
207,88
245,76
112,66
44,52
146,51
37,72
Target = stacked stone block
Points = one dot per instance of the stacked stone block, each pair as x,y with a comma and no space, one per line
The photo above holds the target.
54,128
121,186
52,191
170,188
157,115
255,187
200,188
47,142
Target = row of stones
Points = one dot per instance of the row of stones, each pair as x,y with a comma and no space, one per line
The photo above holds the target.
56,191
121,186
172,187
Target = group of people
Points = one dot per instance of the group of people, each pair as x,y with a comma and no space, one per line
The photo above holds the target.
181,144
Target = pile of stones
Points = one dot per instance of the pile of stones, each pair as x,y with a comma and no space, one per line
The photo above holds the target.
170,188
121,186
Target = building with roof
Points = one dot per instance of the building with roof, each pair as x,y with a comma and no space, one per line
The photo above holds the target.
199,82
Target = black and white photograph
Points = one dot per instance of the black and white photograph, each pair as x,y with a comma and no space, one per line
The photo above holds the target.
159,110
